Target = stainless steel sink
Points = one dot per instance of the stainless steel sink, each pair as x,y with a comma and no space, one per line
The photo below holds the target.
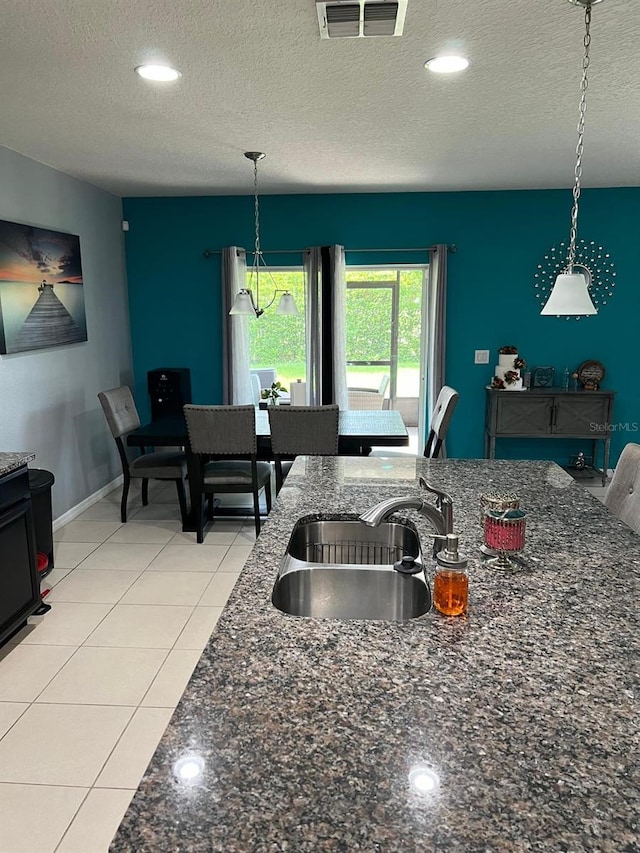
342,569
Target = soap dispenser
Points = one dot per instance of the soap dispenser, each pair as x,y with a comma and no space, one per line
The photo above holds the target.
450,583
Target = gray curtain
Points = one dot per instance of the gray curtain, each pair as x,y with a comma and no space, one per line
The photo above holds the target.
237,388
313,324
437,318
339,333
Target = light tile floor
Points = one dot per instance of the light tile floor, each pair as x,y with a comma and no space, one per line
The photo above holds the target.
87,690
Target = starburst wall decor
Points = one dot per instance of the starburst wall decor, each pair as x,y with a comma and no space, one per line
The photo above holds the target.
592,260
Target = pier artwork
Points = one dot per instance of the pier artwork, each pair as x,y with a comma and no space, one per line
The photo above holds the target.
41,289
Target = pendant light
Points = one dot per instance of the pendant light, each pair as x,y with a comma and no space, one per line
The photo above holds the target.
570,293
244,302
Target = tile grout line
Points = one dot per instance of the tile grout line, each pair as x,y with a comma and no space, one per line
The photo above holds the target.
75,815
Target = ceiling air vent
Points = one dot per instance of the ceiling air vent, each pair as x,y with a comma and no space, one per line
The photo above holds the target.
360,18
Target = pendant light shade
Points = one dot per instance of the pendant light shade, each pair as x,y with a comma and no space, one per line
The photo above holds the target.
570,295
287,304
243,304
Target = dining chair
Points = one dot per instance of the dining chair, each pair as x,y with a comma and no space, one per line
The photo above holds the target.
438,427
297,430
228,432
440,420
623,493
122,416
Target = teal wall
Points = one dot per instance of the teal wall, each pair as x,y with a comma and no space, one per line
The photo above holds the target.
500,236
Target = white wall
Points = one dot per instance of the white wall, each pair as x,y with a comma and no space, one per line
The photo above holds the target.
48,400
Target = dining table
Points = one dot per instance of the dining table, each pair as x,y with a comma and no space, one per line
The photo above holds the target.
358,432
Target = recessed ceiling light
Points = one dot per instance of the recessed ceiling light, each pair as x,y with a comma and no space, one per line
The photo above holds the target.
159,73
447,64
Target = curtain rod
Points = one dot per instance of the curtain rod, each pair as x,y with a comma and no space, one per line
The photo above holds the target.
452,248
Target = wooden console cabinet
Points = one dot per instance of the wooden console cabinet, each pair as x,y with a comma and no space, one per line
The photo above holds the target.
549,413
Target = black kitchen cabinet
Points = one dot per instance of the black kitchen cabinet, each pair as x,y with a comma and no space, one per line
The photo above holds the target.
19,581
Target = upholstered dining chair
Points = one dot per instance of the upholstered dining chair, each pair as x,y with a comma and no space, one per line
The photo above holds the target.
440,420
223,441
438,427
623,493
122,416
297,430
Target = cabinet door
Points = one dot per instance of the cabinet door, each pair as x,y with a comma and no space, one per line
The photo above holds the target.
586,416
19,592
521,414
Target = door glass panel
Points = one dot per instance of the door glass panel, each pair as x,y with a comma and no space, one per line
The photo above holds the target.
368,324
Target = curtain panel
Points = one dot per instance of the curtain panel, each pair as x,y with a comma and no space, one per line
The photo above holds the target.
237,389
338,284
437,324
313,324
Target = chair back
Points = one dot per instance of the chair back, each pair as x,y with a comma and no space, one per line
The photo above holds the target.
222,430
255,388
384,384
304,430
440,420
120,410
623,495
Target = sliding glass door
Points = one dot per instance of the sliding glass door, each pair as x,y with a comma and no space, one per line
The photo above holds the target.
386,341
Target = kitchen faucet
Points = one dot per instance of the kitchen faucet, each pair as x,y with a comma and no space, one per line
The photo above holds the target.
439,514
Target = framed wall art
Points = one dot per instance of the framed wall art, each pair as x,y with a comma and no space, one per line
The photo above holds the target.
41,288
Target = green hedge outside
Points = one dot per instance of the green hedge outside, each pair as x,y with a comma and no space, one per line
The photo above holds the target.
277,340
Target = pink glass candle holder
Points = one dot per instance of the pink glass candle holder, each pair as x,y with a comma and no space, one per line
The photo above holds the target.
504,534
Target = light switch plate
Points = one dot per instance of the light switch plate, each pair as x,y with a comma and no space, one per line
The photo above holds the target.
482,356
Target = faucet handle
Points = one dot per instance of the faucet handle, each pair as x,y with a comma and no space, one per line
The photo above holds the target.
443,497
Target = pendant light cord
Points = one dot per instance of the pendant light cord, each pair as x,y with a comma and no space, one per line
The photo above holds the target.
584,85
257,256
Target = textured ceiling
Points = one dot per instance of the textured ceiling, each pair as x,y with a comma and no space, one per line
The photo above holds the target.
333,116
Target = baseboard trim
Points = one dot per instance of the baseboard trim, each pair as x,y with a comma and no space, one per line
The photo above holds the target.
78,509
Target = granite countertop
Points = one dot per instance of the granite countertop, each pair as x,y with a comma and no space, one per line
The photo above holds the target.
525,712
12,461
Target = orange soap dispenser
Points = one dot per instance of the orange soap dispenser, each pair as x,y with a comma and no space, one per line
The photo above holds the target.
450,583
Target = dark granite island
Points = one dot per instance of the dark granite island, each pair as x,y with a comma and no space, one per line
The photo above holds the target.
526,710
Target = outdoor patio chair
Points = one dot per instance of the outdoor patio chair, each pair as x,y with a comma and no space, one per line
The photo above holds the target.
368,398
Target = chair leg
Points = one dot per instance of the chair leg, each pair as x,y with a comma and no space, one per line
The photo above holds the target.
200,520
125,495
256,509
278,475
145,492
210,506
182,500
267,495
